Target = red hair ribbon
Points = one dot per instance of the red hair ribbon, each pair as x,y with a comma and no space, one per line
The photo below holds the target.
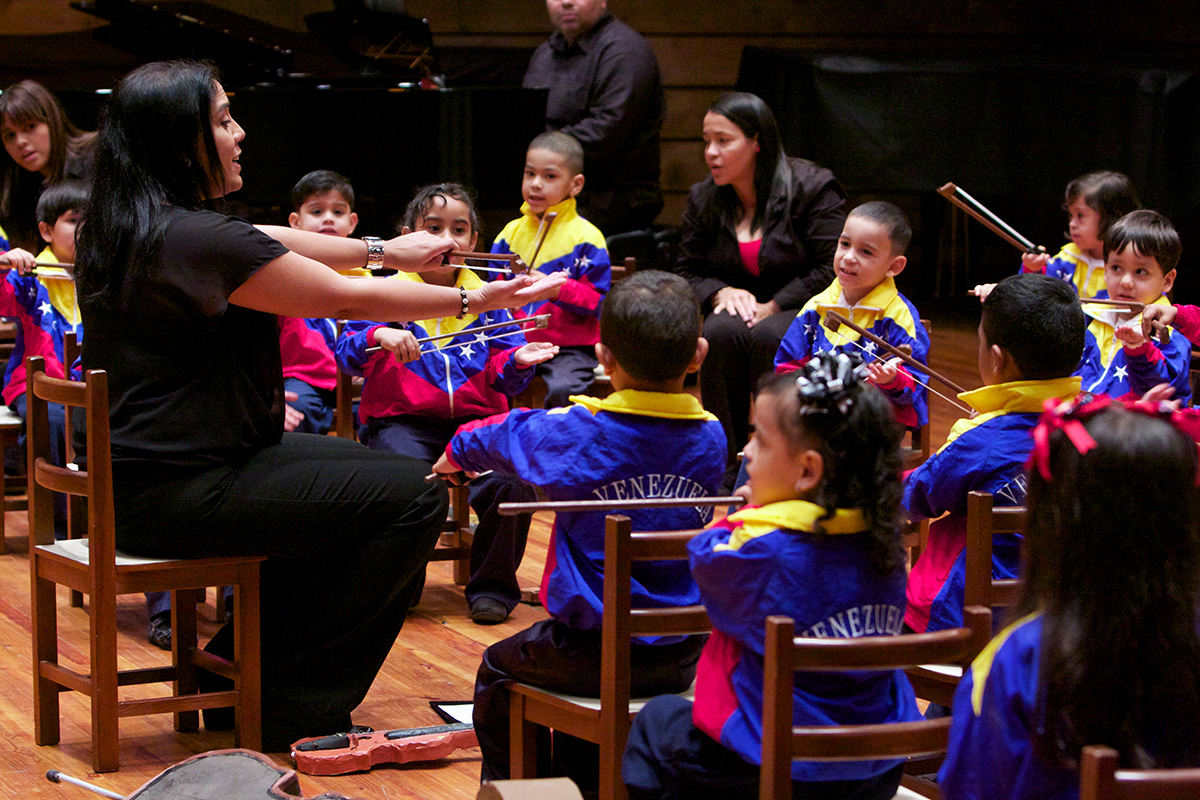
1068,416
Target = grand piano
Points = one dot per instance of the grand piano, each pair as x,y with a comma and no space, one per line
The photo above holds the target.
365,93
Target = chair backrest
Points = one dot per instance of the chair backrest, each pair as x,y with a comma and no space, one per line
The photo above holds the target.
621,623
95,483
785,655
1099,779
984,521
346,391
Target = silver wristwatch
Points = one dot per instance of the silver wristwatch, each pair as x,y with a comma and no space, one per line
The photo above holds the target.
374,252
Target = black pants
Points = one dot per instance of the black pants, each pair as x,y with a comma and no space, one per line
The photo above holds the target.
737,356
570,372
346,531
668,757
562,659
499,543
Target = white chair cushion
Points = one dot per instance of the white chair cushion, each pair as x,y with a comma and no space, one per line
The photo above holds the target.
593,703
77,550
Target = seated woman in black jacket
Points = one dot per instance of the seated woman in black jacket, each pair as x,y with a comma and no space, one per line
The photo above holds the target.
759,236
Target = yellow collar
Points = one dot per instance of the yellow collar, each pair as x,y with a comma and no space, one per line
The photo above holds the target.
648,404
1020,396
864,313
793,515
564,210
463,277
61,292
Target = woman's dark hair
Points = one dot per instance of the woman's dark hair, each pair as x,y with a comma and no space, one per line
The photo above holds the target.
30,102
155,147
1113,563
426,196
772,176
855,430
1109,194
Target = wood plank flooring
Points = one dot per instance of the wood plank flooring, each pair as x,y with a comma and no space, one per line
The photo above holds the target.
434,658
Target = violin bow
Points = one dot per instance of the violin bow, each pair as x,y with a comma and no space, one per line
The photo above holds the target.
515,265
1130,305
50,270
833,320
539,321
984,215
513,509
542,232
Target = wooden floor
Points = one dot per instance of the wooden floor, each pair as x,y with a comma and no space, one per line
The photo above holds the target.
434,658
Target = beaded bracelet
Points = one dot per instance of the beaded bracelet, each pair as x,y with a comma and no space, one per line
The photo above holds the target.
462,293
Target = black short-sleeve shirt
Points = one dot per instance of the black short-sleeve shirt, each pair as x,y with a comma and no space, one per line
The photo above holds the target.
193,380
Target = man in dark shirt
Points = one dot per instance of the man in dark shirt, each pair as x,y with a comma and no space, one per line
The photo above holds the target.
605,91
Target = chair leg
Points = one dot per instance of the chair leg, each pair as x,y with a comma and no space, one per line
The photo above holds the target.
462,527
76,525
44,622
183,640
105,725
247,648
4,506
522,733
612,747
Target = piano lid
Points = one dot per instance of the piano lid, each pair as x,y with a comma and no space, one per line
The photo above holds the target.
348,43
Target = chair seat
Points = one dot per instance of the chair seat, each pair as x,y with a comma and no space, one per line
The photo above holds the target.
954,671
592,703
77,550
904,793
9,418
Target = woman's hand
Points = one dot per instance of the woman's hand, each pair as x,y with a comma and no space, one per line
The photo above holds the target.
416,252
535,353
21,260
514,293
736,302
764,310
401,344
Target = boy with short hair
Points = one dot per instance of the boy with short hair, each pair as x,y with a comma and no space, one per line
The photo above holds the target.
1030,339
604,449
1141,251
553,177
323,202
869,256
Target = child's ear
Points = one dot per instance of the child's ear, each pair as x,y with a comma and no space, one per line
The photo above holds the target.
405,230
897,266
46,230
474,239
810,467
1168,280
353,222
576,184
698,357
605,357
294,219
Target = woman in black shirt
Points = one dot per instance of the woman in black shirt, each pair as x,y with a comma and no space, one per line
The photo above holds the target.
179,305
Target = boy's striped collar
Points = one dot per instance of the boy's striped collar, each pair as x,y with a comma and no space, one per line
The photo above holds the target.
648,404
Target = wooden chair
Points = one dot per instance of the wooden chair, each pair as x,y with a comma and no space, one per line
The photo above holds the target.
457,534
785,655
937,682
14,495
983,522
1099,779
606,720
95,567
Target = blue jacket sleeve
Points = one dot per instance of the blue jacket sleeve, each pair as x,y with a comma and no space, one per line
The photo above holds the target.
1153,363
351,348
589,280
796,345
736,585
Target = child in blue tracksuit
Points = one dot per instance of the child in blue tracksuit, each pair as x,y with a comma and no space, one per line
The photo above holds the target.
1104,647
415,396
648,439
1031,335
820,544
553,177
1141,252
869,256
